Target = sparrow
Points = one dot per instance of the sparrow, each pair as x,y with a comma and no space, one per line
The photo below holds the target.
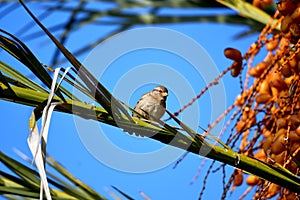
152,105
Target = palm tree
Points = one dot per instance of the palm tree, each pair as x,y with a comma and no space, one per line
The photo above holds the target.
265,123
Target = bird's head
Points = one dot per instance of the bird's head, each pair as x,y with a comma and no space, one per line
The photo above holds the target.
160,91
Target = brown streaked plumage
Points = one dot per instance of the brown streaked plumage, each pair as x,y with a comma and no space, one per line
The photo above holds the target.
152,105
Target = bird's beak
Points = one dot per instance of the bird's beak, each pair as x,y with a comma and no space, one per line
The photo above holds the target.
164,94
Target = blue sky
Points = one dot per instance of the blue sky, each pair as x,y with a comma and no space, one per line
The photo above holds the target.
64,141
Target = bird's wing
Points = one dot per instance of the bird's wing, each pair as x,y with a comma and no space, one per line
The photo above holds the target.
142,105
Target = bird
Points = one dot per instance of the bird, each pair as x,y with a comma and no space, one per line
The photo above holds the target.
152,105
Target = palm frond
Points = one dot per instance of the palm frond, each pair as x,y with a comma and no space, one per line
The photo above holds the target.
125,14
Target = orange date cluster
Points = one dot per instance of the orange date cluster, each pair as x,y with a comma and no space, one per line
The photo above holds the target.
269,123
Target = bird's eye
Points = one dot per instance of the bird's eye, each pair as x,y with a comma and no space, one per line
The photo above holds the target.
160,90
